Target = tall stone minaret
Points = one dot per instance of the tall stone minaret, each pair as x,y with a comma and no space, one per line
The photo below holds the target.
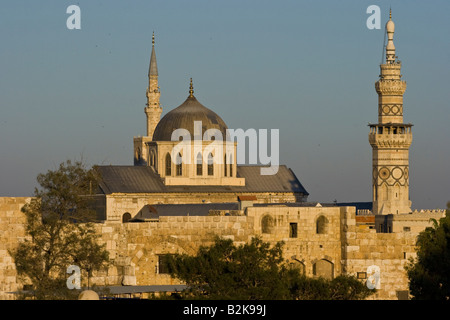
153,109
390,138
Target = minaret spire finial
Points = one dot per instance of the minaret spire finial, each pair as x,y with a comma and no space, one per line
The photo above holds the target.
191,90
390,48
153,38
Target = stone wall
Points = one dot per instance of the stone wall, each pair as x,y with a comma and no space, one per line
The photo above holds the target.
339,245
389,252
12,230
121,203
135,247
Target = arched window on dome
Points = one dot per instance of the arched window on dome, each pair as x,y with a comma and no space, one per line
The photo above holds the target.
179,166
199,162
225,165
168,164
210,165
231,165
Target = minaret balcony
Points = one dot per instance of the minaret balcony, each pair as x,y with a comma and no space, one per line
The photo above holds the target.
390,135
390,87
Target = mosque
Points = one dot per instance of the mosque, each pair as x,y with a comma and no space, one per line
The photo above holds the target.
179,195
204,170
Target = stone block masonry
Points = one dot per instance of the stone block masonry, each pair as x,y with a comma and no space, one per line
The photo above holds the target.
12,230
322,241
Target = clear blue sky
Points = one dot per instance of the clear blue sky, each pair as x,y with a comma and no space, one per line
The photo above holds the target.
307,68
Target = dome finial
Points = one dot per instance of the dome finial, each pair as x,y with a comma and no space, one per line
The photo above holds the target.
191,90
390,14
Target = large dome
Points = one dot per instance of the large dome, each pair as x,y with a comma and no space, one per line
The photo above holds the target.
184,116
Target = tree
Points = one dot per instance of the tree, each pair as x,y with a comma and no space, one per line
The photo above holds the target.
254,271
428,274
60,231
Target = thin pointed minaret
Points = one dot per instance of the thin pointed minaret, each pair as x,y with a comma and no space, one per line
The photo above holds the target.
153,112
153,109
390,138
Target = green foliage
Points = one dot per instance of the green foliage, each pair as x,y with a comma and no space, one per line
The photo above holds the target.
428,274
59,232
254,271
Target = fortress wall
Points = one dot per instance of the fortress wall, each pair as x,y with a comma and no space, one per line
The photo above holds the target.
135,248
389,252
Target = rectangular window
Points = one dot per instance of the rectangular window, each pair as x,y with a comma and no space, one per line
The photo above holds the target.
406,229
293,230
163,266
361,275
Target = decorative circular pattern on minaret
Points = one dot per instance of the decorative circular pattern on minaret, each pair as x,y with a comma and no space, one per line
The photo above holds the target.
391,109
384,173
406,173
397,173
390,175
394,109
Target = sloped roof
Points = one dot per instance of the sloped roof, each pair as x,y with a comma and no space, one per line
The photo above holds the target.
143,179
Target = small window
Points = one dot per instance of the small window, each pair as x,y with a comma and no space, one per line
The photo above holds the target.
406,229
152,159
293,230
199,164
163,265
210,165
361,275
231,164
126,217
321,225
179,165
225,166
168,165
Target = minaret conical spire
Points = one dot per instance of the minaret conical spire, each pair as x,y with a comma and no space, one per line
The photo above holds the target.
153,69
153,109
